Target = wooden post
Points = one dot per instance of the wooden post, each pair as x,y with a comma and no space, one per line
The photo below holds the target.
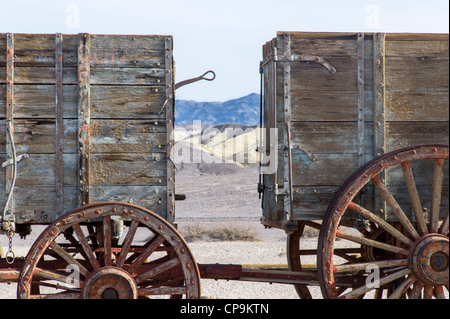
59,177
379,86
169,80
84,97
9,120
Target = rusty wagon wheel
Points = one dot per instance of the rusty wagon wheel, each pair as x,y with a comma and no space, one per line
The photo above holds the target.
407,258
296,254
109,250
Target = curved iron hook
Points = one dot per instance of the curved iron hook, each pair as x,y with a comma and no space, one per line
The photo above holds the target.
198,78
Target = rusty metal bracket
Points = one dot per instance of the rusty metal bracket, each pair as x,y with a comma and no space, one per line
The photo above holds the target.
312,58
186,82
196,79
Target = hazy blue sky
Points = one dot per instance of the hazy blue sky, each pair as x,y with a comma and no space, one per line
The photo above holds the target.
225,35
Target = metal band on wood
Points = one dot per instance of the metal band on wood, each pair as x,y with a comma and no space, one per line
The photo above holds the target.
379,81
9,118
169,81
59,177
84,97
288,187
361,97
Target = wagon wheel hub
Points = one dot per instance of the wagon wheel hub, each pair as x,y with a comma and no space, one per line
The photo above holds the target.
429,260
110,283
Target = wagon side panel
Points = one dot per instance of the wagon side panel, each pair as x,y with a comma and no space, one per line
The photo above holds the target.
416,109
388,91
87,111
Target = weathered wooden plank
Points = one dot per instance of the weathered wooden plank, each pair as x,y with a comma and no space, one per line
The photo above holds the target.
147,196
329,105
106,170
128,136
332,168
114,136
417,36
38,170
117,51
128,169
99,76
59,129
37,101
413,74
311,203
379,85
320,79
38,136
84,117
39,75
131,102
425,49
402,134
170,122
330,137
36,204
417,106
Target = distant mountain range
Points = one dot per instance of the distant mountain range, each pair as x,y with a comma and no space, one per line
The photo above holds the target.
244,111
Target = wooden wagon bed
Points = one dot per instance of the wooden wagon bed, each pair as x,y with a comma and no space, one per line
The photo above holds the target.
341,99
88,112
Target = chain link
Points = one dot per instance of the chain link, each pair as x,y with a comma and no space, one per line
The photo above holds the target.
10,255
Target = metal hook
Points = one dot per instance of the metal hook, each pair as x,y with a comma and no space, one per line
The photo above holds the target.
198,78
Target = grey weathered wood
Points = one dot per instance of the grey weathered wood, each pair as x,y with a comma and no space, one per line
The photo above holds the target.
107,101
84,116
401,83
9,127
170,121
59,129
114,89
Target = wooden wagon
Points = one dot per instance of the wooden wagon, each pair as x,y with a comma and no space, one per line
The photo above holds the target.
87,123
87,126
362,155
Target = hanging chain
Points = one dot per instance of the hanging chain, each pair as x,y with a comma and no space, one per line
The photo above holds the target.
10,255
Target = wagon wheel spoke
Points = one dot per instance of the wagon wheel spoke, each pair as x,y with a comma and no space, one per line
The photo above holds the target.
363,266
154,244
372,243
411,256
415,200
439,290
127,243
86,247
396,209
295,253
417,290
402,288
380,222
69,259
436,194
355,293
107,240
